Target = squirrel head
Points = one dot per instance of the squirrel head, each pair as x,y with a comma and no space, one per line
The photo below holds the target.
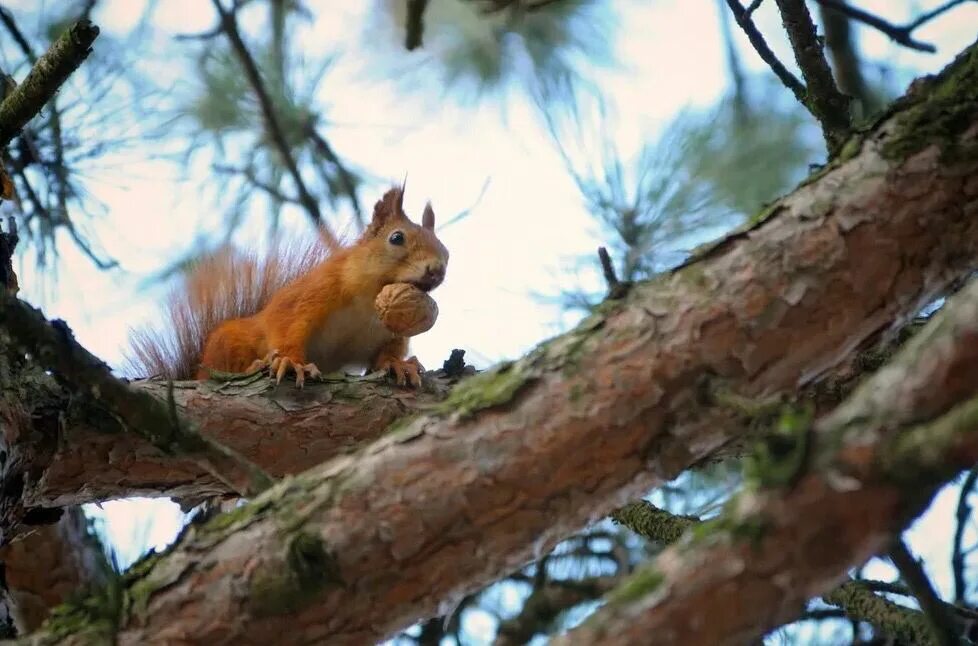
402,251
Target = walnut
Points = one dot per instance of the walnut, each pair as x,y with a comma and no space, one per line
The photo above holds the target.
405,310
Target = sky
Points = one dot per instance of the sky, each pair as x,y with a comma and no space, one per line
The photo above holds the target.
521,237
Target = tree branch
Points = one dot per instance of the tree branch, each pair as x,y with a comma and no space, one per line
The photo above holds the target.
53,346
523,455
743,19
900,34
85,459
415,24
878,459
822,97
962,517
940,621
47,75
229,24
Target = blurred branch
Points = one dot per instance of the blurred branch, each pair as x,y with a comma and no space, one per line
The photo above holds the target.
229,25
822,97
47,75
8,21
900,623
962,516
415,23
900,34
911,571
652,523
347,180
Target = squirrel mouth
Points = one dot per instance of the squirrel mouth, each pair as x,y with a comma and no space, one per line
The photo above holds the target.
426,284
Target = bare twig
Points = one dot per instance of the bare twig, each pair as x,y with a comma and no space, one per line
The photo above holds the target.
347,180
822,97
46,76
940,619
743,19
900,34
229,24
962,516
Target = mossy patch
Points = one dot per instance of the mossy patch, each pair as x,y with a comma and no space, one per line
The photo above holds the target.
637,586
940,110
495,387
310,569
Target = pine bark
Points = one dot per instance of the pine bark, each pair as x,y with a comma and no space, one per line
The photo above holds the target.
526,454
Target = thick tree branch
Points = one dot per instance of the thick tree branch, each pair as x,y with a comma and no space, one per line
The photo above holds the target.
45,568
86,458
50,71
878,459
53,347
526,454
822,97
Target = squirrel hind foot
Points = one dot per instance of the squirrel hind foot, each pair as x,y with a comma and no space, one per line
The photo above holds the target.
404,371
279,366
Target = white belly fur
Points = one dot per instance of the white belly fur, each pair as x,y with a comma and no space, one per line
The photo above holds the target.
349,339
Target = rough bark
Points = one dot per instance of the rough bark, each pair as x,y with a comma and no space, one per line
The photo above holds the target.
87,457
876,462
524,455
43,569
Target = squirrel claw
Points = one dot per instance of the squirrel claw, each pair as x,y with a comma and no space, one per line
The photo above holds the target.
404,370
278,366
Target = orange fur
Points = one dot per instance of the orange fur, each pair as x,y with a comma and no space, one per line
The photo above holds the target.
299,310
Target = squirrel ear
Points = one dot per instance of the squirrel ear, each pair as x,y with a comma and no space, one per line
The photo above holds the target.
387,208
428,217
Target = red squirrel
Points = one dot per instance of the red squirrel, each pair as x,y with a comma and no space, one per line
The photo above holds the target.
303,310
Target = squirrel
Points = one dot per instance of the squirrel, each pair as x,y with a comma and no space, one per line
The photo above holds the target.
302,309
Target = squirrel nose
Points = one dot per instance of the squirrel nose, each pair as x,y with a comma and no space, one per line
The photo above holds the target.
434,274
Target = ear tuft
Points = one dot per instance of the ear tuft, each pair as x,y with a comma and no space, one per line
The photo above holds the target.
389,207
428,217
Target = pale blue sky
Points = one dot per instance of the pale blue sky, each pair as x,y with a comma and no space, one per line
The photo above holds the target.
520,239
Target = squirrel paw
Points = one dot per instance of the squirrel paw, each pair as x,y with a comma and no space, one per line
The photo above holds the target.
404,370
278,366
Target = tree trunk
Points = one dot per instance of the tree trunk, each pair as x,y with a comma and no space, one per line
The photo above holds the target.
519,458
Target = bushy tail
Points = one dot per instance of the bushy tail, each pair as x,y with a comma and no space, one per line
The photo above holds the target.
227,284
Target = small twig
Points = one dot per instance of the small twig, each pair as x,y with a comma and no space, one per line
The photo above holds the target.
230,26
607,268
900,34
760,45
822,96
962,515
938,616
616,288
346,177
415,24
467,211
47,75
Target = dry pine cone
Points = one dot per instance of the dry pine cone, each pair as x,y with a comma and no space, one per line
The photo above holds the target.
405,310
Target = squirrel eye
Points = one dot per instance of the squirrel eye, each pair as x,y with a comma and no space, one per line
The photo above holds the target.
396,238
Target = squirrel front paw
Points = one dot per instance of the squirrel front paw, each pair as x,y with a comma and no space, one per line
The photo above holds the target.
404,370
279,365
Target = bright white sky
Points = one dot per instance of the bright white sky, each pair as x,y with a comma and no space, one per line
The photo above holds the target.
520,239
